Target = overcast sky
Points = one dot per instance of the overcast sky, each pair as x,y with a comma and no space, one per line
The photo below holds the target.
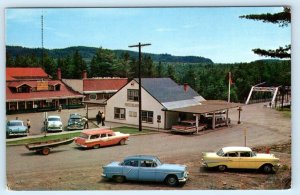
215,33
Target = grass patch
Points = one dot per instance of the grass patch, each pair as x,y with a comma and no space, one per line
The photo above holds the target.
285,111
42,139
131,130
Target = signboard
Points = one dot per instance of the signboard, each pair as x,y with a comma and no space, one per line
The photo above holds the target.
42,85
131,105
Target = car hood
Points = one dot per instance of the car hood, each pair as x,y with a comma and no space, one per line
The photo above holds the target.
209,154
173,167
54,123
263,155
17,128
113,164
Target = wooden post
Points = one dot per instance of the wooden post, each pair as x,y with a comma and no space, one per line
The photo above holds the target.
197,122
245,137
214,121
227,124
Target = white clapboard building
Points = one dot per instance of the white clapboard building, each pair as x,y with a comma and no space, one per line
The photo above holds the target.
159,96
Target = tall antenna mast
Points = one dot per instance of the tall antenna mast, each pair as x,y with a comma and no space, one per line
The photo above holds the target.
42,34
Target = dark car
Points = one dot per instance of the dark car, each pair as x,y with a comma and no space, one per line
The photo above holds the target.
75,122
219,121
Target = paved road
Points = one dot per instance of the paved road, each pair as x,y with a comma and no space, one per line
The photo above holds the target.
67,164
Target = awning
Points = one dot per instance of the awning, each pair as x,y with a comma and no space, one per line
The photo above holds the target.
208,106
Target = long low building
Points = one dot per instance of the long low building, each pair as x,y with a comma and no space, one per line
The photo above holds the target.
31,89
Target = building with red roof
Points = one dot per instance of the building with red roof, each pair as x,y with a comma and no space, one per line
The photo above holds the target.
35,91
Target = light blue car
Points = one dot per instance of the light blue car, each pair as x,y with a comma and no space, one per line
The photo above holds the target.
145,168
16,128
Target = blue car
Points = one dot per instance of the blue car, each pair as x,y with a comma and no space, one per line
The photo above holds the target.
145,168
16,128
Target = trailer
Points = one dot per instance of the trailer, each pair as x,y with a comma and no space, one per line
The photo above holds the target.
44,147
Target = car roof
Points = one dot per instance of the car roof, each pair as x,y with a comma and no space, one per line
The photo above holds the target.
236,149
138,157
53,116
15,121
96,131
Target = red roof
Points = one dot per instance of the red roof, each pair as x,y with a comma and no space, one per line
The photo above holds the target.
64,92
102,84
26,72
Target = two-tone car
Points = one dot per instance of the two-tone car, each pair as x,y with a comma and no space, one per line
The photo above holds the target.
16,128
240,158
53,124
146,168
96,138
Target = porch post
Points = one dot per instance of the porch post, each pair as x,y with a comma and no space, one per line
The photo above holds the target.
227,117
25,105
214,121
17,105
197,122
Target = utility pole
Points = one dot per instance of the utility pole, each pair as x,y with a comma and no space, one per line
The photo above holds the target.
140,82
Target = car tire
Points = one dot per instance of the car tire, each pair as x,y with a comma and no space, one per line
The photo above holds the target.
267,168
96,146
172,180
119,178
122,142
45,151
222,168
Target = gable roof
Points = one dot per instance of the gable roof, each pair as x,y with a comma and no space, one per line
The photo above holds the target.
103,84
36,72
166,90
64,92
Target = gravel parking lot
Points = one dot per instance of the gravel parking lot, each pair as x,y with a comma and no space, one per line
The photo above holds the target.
68,168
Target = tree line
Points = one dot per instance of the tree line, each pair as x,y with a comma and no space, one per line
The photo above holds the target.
209,80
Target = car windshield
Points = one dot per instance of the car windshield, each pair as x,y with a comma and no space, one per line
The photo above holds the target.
83,135
15,124
158,162
220,153
53,119
73,120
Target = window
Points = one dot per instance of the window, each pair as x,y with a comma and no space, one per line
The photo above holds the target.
103,135
148,163
232,154
119,113
93,96
94,136
133,95
147,116
245,154
132,163
132,114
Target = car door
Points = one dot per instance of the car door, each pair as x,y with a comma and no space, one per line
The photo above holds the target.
104,139
232,160
247,161
147,170
131,169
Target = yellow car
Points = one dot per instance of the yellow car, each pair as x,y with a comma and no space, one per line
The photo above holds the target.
240,158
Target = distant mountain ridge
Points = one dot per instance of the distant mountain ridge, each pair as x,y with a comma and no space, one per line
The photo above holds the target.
87,54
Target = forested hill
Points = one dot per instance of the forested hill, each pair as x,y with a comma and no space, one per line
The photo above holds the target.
87,54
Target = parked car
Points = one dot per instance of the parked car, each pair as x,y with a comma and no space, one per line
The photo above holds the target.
16,128
219,121
186,127
53,124
240,158
146,168
75,122
97,138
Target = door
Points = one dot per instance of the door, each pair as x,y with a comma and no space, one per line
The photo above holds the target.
233,160
247,161
131,169
147,170
104,140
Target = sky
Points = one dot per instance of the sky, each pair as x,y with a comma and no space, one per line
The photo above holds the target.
212,32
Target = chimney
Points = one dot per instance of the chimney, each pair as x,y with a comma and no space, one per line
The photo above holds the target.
58,74
185,87
84,74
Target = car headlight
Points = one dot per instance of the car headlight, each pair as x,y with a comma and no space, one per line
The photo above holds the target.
60,125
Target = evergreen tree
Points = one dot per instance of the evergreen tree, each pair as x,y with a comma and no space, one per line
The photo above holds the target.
171,72
122,67
49,66
9,60
102,64
283,19
159,70
78,65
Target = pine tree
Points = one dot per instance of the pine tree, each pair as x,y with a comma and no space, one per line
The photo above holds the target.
78,65
283,19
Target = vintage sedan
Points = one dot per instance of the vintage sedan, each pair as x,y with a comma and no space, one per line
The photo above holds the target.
75,122
96,138
16,128
146,168
240,158
54,124
187,127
